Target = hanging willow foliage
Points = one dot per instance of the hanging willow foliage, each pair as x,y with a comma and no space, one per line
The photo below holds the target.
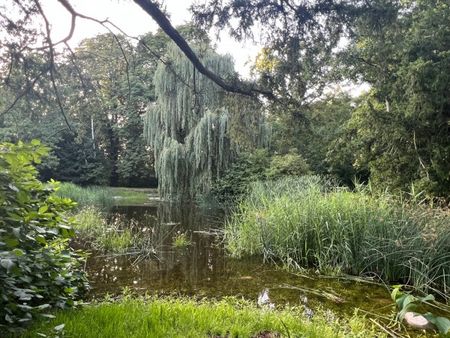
191,125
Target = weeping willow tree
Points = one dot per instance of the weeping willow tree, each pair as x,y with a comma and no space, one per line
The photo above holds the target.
191,125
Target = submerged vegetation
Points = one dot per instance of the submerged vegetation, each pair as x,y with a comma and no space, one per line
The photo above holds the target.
181,240
103,234
114,233
188,318
306,223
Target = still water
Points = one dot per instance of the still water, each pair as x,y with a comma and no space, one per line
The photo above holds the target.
203,268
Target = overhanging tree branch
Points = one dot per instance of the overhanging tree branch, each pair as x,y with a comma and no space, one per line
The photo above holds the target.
153,10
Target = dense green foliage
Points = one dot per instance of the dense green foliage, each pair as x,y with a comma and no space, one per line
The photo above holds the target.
38,270
250,167
104,87
401,132
187,318
398,134
304,223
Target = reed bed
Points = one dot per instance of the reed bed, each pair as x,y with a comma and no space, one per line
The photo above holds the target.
87,196
306,222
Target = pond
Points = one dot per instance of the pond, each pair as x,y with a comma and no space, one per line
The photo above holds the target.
203,268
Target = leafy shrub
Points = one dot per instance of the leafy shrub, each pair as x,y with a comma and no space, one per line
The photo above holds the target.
38,269
290,164
258,165
248,168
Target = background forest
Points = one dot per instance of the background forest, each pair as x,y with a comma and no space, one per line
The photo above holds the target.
396,134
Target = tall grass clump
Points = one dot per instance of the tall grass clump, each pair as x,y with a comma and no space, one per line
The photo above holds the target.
305,222
87,196
103,234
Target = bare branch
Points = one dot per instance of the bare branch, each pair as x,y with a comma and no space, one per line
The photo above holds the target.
52,64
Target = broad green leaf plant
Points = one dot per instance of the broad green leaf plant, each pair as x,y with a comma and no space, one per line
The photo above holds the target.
38,269
407,302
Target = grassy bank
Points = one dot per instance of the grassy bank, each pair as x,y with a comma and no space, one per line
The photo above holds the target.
304,224
104,197
188,318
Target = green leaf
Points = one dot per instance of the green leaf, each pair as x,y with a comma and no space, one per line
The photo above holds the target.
442,323
18,252
48,315
396,293
11,242
43,306
427,298
41,239
408,304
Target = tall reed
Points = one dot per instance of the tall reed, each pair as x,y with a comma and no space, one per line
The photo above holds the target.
87,196
306,222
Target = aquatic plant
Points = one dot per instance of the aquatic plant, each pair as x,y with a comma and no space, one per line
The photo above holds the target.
306,222
103,234
181,240
408,303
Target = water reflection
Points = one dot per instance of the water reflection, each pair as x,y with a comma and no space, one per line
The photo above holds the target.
203,269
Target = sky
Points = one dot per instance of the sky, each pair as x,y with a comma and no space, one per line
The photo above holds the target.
134,21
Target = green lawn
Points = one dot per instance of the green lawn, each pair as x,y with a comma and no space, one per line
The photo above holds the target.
170,317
